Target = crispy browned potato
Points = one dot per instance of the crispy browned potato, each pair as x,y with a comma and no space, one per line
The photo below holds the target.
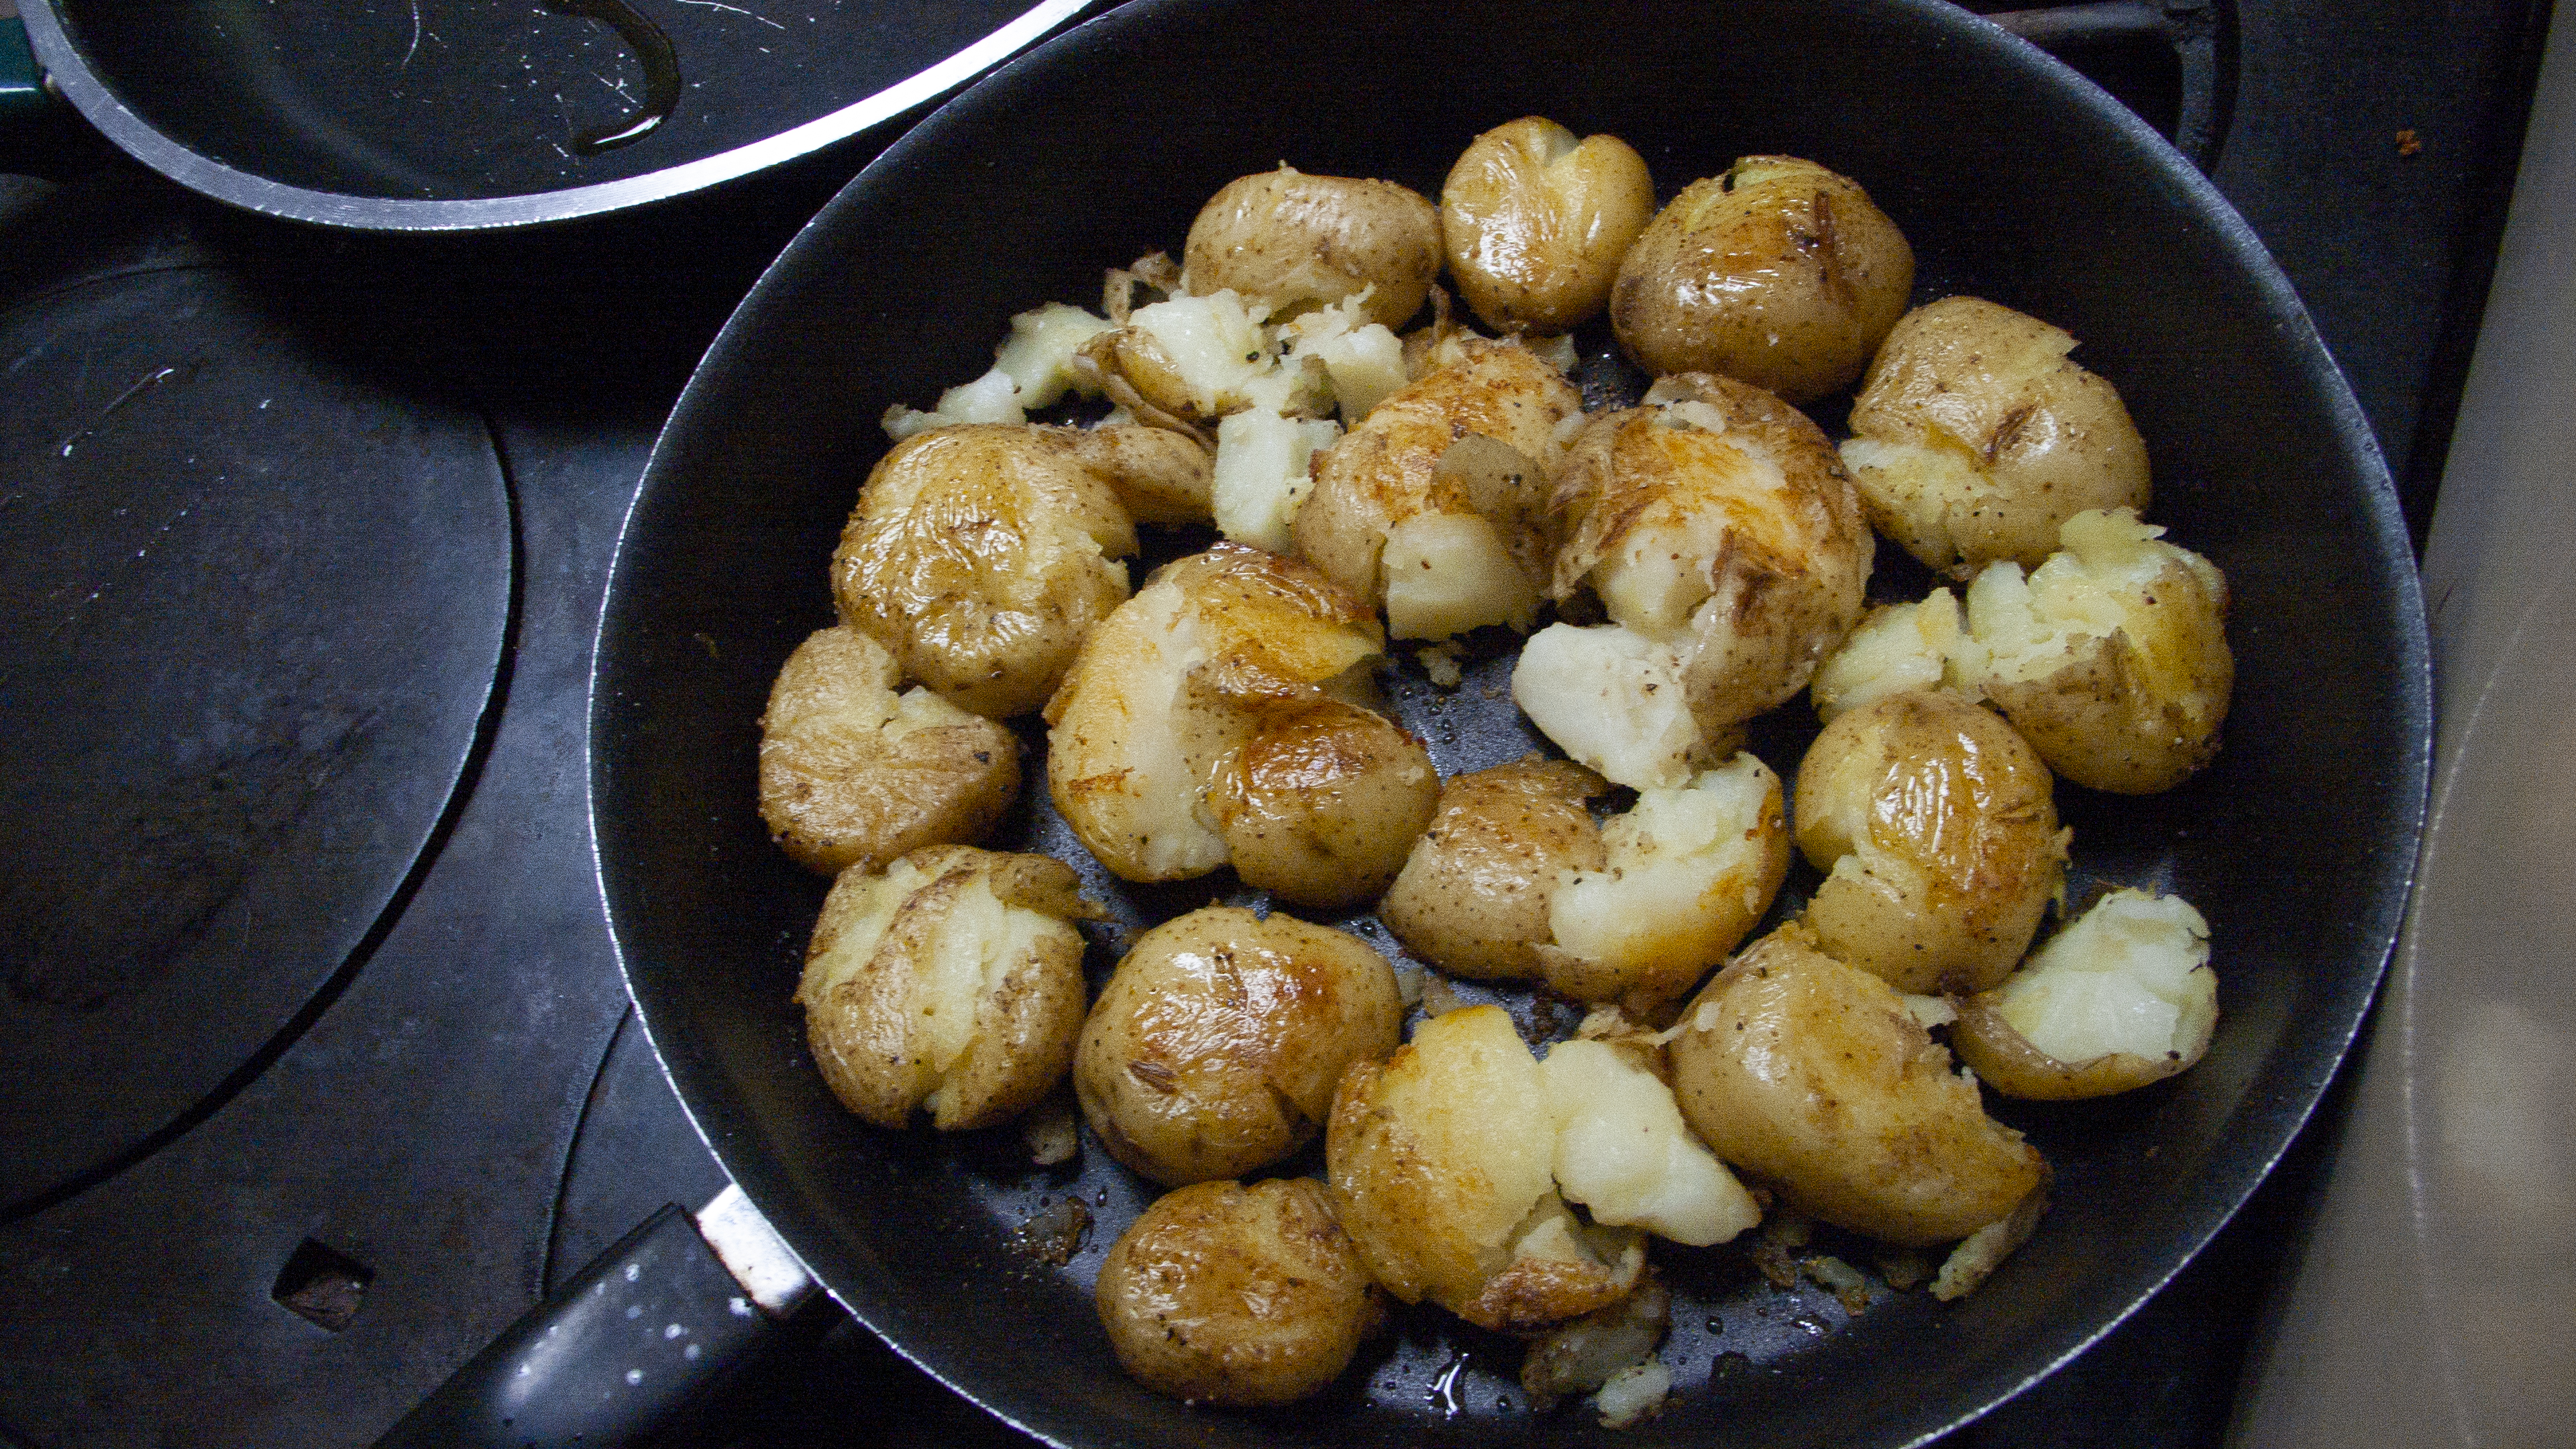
1296,242
1473,897
1226,1294
2122,997
1215,1046
1976,436
1322,803
1534,223
1779,273
1816,1078
853,774
952,983
1937,829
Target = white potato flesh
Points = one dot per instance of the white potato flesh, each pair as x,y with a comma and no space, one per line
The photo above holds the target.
1896,647
991,398
1447,573
2131,975
1364,359
1623,1152
1038,355
1633,1393
1612,699
1262,475
1214,343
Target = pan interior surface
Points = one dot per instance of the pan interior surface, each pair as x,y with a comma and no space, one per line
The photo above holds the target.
2012,178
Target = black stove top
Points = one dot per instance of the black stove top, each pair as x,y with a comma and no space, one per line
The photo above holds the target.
319,1070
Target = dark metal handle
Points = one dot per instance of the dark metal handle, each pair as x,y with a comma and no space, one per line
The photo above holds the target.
652,1323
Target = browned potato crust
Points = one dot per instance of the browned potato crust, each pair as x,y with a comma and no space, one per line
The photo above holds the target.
853,775
1816,1078
1226,1294
1779,273
1160,476
1215,1046
1322,803
1300,242
1534,223
1473,896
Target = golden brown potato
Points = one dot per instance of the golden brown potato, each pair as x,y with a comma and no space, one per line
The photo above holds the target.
1779,273
1473,897
2122,997
1936,827
1976,436
1434,504
2111,658
952,983
979,556
1226,1294
1815,1077
1721,535
1322,803
1534,223
853,774
1215,1047
1296,242
1441,1167
1160,476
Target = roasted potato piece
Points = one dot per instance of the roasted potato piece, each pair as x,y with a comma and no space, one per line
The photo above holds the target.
1434,504
952,983
1623,1152
1441,1166
1720,534
1894,648
979,556
1936,828
1779,273
1187,361
1976,436
1226,1294
1296,242
1215,1047
1473,897
1534,223
1323,802
2122,997
853,774
1814,1077
2111,658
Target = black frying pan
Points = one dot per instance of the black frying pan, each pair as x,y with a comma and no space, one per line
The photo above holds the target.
2014,179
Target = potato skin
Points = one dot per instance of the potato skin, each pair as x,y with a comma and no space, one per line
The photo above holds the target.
1938,830
1815,1077
2005,1060
851,775
1534,223
1225,1294
1473,896
1779,273
980,555
1323,803
1215,1047
1299,242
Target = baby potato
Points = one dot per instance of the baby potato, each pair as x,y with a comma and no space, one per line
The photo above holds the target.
1779,273
1815,1077
2121,998
1225,1294
2111,658
1938,834
1473,896
952,983
1323,802
852,773
1441,1165
1434,504
979,555
1215,1047
1534,223
1297,242
1976,436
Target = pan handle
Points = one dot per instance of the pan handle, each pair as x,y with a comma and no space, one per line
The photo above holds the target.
674,1308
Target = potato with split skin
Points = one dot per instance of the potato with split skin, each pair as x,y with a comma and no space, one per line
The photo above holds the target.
1473,897
1322,803
1976,436
1215,1047
854,774
1222,1293
1815,1078
1779,273
1935,825
1296,242
1534,223
951,984
2122,997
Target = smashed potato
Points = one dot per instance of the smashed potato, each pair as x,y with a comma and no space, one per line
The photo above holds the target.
1215,1047
1473,897
1534,223
1322,801
2122,997
950,984
1295,242
1623,1152
854,774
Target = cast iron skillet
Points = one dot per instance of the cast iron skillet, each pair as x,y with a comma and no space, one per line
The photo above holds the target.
2014,178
